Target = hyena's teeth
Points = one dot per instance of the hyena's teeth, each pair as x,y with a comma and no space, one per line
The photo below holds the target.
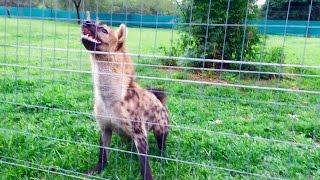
90,38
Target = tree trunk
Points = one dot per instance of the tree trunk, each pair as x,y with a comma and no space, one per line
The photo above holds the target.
8,12
78,14
77,6
7,8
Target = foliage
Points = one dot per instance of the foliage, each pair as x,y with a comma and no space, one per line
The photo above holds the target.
299,10
174,51
114,6
209,41
169,62
19,3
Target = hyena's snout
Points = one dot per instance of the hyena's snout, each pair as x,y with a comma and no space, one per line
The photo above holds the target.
89,37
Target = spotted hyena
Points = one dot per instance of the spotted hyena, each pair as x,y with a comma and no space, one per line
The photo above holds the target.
120,104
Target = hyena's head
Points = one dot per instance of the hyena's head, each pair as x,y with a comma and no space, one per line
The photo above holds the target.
100,37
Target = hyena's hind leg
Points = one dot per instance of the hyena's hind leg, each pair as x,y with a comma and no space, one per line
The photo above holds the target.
160,133
161,129
161,119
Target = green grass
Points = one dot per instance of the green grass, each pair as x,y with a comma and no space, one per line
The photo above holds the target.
298,50
211,113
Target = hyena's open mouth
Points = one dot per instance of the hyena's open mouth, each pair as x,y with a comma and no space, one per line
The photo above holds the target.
89,35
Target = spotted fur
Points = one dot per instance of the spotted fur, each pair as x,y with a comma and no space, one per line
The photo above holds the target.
120,104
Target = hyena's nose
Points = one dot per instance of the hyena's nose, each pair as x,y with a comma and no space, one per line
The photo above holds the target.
88,23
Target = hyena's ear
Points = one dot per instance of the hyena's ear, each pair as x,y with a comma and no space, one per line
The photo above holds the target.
122,33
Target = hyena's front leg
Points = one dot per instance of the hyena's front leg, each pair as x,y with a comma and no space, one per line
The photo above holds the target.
142,148
140,140
105,140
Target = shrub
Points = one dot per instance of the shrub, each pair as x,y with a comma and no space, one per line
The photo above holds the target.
175,51
299,10
206,40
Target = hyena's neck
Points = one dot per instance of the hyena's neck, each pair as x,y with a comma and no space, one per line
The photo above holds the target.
112,75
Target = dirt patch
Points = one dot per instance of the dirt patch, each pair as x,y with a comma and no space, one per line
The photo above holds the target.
194,75
199,76
171,69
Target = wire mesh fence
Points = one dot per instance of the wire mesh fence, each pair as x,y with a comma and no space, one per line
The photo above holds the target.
235,112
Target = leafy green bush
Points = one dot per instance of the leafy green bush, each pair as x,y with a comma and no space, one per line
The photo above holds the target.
209,38
299,10
174,51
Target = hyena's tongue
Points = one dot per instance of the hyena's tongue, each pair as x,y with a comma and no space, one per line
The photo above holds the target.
86,32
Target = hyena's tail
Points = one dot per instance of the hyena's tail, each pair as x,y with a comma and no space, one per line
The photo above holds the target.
160,94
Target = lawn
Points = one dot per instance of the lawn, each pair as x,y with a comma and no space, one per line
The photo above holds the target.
217,132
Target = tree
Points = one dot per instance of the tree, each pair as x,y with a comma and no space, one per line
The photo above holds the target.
210,38
20,3
17,3
77,6
299,10
5,3
164,7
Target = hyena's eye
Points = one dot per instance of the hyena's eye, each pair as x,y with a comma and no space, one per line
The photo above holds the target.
104,30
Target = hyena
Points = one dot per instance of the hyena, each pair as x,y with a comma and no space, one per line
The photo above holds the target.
120,104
